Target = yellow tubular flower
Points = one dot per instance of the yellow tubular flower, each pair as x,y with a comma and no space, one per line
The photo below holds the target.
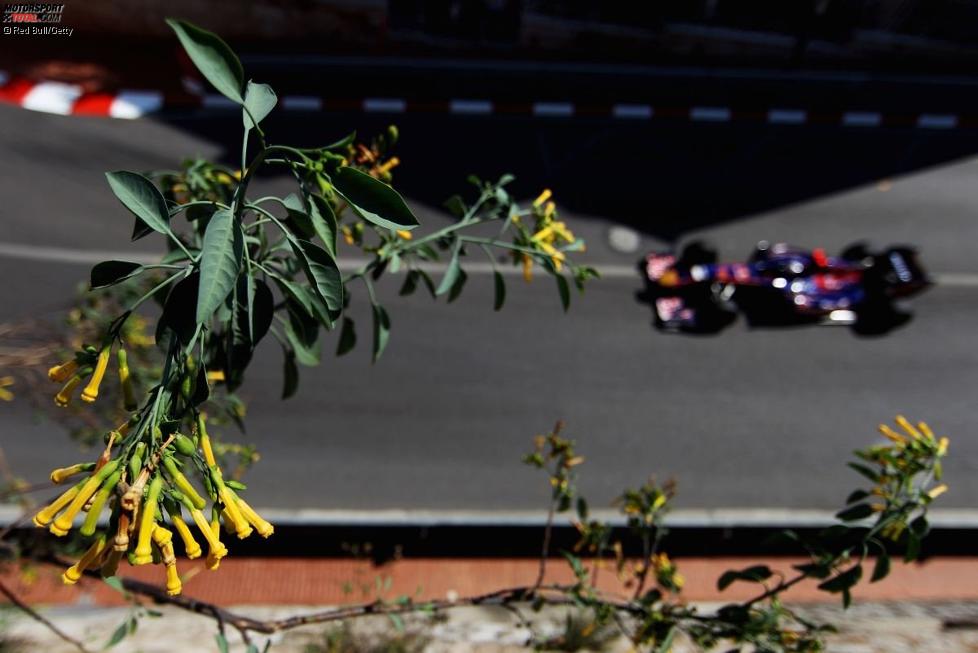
190,546
47,514
527,268
263,527
90,393
891,434
173,584
556,256
678,580
241,525
549,210
213,561
91,520
5,382
228,523
561,230
217,549
162,536
128,395
62,474
543,197
404,234
205,441
542,235
908,427
74,572
347,235
942,446
392,162
61,373
937,491
925,429
63,398
62,524
182,483
147,522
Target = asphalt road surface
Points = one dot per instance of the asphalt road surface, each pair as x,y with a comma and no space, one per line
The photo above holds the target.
760,418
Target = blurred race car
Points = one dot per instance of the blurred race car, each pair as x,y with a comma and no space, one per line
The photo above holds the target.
781,284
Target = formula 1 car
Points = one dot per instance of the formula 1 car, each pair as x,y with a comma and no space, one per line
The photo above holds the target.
780,285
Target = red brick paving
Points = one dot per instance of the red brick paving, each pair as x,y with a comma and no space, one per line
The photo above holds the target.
314,581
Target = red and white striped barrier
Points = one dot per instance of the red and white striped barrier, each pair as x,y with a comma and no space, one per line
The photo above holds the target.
69,99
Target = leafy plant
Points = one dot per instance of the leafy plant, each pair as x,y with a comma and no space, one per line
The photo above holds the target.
241,268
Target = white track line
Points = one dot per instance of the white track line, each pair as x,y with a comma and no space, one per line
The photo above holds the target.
607,271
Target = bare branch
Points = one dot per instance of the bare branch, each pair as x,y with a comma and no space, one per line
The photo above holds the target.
34,614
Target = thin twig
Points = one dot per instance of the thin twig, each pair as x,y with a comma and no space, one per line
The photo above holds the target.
545,549
31,612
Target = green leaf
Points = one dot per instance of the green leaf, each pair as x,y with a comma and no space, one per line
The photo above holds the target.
456,206
373,200
913,547
857,495
563,290
920,526
665,645
108,273
348,337
323,221
317,220
865,471
456,290
429,284
814,570
410,283
302,333
253,317
259,99
855,513
115,583
291,374
452,272
500,287
178,310
222,642
882,567
382,328
754,574
202,390
143,199
220,261
322,272
843,581
582,509
118,634
213,58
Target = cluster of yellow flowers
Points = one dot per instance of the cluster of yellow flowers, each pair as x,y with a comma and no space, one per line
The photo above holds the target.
139,477
915,449
547,232
92,365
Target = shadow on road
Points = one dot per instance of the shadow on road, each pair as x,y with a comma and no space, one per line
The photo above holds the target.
664,177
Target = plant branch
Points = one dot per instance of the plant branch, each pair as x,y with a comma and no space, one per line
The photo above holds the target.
34,614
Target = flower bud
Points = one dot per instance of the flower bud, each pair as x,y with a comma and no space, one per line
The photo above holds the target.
90,557
90,393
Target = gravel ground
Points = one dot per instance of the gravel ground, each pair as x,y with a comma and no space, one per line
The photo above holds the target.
864,628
